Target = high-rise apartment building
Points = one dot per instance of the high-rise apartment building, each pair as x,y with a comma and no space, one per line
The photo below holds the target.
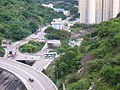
96,11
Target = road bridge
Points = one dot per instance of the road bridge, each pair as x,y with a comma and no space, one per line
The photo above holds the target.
24,72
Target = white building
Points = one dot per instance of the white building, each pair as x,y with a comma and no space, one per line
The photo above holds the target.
50,5
66,13
96,11
59,10
59,23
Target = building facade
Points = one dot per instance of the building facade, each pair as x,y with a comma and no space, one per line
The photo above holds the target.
96,11
58,23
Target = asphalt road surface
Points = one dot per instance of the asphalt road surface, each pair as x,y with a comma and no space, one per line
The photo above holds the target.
12,84
24,72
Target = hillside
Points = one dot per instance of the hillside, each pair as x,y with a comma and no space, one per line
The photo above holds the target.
20,18
95,64
65,4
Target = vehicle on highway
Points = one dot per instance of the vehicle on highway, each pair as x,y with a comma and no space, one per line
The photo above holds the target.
1,70
31,79
10,52
6,82
17,79
6,78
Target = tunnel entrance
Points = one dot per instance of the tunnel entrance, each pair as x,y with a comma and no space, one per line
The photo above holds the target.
27,62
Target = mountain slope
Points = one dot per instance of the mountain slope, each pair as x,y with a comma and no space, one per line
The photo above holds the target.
20,18
96,63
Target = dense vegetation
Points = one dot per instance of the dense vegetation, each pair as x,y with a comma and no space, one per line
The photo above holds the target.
20,18
100,66
75,2
118,15
78,26
2,52
57,34
65,4
75,16
31,47
62,35
69,5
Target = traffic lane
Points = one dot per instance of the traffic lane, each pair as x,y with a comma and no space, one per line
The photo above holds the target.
36,85
10,80
40,65
44,80
13,85
46,83
39,35
14,68
21,87
27,57
7,76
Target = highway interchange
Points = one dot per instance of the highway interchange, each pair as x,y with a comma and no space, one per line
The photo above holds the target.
24,72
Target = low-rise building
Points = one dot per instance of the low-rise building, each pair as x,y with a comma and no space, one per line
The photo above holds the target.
6,42
59,10
66,13
50,5
59,24
53,44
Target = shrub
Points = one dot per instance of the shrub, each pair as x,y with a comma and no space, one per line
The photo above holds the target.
2,52
57,34
82,84
31,47
95,65
111,74
118,86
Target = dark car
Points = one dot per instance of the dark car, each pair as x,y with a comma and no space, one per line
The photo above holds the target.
17,79
31,79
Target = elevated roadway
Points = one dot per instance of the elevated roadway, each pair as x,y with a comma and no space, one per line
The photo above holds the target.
24,72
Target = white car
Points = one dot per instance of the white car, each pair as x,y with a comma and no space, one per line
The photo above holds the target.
6,82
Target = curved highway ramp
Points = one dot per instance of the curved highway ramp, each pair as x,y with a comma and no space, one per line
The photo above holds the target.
24,72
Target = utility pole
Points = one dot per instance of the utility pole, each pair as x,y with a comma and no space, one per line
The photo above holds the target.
63,87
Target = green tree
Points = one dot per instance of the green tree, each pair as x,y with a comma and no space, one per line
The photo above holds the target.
111,74
118,15
1,38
